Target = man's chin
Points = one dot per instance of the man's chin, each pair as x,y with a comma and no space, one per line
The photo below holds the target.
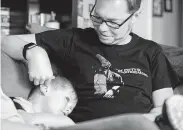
107,41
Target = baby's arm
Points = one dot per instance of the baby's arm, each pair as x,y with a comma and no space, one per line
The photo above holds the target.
46,119
9,125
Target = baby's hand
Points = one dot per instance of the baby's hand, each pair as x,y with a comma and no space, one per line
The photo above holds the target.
26,105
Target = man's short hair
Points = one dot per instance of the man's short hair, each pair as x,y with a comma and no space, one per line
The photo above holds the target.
133,5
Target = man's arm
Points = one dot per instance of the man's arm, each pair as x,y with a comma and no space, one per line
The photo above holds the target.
39,65
13,45
159,97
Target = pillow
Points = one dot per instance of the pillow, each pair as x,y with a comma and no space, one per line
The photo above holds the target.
14,77
175,57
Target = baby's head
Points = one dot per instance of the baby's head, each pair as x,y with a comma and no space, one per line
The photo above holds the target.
51,98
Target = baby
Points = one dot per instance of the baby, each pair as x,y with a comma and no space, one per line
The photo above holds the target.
46,106
58,98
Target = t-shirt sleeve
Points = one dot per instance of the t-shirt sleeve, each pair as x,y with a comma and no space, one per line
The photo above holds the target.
57,43
163,75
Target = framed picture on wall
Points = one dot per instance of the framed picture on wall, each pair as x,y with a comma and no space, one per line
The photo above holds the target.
168,5
158,8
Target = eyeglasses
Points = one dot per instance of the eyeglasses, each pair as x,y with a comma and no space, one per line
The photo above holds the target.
99,20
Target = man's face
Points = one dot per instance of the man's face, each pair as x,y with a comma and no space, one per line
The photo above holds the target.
115,11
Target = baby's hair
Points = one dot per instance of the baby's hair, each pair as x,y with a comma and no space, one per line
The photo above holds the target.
59,83
62,85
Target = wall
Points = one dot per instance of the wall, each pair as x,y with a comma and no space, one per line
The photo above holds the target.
143,25
82,15
182,26
167,29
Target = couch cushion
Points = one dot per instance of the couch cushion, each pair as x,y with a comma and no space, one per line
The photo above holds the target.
14,77
175,56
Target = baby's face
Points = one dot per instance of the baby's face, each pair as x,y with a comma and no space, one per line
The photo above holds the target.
52,101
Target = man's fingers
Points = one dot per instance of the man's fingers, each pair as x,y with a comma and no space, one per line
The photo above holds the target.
47,82
42,80
53,77
36,81
31,78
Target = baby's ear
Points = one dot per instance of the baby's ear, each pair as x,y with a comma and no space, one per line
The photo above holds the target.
44,90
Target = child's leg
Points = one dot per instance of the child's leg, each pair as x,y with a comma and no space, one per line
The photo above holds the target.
47,119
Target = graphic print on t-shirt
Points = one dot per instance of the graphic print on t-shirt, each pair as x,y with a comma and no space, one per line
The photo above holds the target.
108,80
104,76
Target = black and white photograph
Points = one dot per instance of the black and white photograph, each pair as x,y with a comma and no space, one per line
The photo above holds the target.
91,65
168,5
158,8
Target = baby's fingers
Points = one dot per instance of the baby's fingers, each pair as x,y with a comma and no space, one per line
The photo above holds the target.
22,99
21,103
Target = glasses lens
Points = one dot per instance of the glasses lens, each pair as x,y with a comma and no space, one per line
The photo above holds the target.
112,25
96,19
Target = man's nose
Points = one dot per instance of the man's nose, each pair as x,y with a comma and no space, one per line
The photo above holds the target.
103,27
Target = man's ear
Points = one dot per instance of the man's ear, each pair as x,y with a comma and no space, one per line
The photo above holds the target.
138,13
135,16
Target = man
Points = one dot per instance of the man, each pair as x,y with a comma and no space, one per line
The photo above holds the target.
140,63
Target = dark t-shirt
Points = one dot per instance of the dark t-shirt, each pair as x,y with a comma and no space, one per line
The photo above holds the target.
109,80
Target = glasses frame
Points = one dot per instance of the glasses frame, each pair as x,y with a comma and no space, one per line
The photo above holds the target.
119,25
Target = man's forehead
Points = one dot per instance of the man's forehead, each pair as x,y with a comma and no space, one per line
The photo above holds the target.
112,3
112,8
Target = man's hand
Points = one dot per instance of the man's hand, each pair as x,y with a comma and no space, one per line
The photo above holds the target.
39,66
26,105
